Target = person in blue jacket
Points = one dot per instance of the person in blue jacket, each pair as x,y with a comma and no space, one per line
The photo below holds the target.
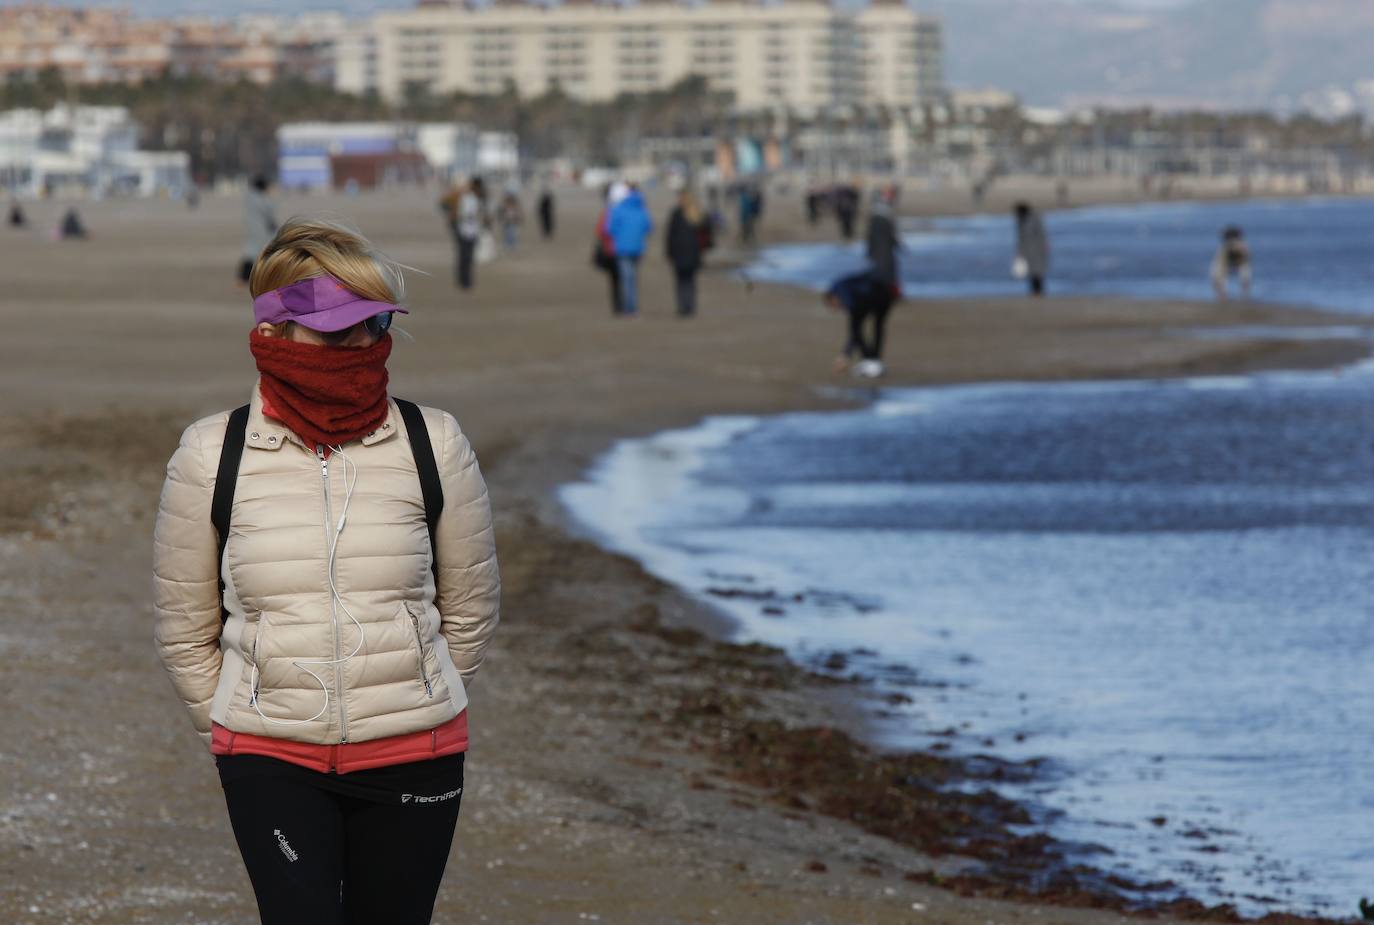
865,297
629,227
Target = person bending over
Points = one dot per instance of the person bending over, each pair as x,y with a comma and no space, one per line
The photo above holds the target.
866,298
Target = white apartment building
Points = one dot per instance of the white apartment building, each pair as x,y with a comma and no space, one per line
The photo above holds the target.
800,54
86,149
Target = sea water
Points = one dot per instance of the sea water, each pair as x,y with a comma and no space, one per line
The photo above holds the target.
1314,252
1163,588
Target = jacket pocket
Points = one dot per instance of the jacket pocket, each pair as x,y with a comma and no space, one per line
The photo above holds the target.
414,612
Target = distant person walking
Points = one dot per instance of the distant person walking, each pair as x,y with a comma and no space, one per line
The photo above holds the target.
603,253
715,211
510,215
465,208
866,300
17,217
546,213
813,204
1032,248
883,242
846,205
629,226
259,225
1232,259
750,197
689,236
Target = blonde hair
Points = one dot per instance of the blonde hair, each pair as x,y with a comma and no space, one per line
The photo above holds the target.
691,209
309,247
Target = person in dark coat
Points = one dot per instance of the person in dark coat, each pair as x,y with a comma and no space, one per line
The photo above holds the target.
883,243
1032,247
846,204
1232,259
813,204
866,299
17,217
689,237
546,207
72,228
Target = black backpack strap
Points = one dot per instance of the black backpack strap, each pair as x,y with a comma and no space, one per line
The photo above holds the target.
225,480
428,470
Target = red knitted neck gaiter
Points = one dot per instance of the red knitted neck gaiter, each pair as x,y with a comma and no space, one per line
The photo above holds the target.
326,395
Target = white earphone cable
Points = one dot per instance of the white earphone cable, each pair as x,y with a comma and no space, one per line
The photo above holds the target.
350,482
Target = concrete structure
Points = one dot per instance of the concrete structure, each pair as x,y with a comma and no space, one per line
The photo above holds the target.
801,54
84,149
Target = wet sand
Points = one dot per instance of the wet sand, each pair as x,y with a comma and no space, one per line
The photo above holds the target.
625,767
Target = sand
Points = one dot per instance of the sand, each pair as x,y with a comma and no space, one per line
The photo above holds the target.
600,787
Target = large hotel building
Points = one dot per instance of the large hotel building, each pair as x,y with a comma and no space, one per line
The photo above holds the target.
800,54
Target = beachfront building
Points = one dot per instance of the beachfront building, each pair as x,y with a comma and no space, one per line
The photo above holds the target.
95,45
310,153
800,54
315,156
84,150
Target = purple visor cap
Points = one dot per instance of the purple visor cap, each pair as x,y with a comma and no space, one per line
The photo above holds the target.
321,303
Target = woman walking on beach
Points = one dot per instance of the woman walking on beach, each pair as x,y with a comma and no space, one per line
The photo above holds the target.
510,215
1032,248
465,208
688,238
325,588
259,224
603,256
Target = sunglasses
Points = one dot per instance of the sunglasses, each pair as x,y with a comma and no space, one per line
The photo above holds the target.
377,325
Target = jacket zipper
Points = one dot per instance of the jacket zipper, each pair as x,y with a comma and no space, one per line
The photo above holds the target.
420,649
333,609
257,669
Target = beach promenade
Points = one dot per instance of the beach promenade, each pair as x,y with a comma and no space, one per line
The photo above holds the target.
625,768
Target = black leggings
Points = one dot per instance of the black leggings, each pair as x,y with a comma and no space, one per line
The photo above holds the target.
467,248
613,272
686,291
870,349
343,849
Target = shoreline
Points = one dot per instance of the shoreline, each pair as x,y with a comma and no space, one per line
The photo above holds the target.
1006,836
592,790
966,236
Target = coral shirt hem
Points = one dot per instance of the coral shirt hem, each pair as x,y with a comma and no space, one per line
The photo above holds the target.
450,738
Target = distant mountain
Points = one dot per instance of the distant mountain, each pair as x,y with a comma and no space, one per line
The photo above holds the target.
1226,53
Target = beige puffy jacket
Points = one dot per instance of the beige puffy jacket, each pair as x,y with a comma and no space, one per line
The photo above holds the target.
282,666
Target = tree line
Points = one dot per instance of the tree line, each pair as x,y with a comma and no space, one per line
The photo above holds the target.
229,128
